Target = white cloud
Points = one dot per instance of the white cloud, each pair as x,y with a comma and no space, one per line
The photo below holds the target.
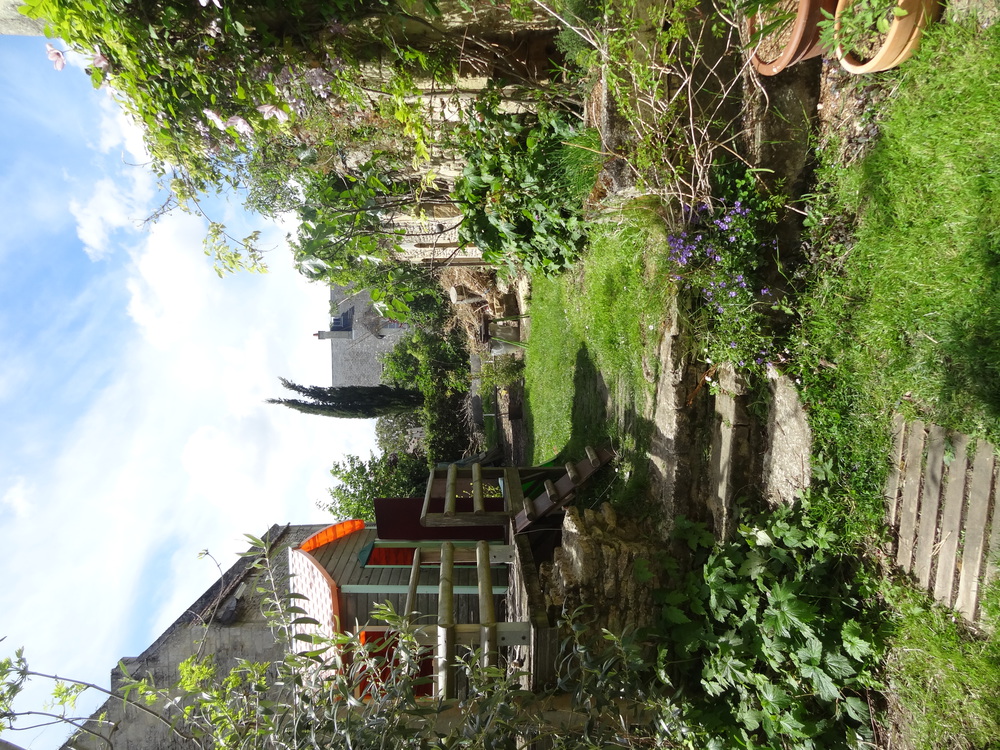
15,498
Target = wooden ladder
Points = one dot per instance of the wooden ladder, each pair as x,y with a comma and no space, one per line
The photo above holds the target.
559,492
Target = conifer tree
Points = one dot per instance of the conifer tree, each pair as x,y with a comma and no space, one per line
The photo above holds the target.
351,401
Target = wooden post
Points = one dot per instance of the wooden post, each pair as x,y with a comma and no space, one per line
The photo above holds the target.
445,656
516,499
427,498
411,594
478,505
572,473
450,490
487,611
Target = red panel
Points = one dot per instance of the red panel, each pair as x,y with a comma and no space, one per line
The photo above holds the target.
399,518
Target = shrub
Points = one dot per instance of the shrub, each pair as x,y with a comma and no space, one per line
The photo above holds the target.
519,203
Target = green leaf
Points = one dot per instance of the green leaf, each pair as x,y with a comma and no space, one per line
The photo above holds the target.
675,615
822,683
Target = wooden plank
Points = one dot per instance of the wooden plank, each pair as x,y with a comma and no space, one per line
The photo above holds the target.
930,498
993,555
467,519
895,469
487,611
516,501
411,593
428,493
478,504
951,520
450,491
525,568
975,530
911,495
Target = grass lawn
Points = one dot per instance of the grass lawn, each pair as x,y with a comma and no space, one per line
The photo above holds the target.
594,334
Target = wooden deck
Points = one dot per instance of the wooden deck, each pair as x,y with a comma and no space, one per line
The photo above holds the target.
941,501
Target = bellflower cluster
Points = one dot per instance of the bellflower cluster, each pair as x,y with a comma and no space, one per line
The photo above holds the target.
715,258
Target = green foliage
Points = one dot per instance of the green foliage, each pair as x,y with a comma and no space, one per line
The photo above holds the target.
435,362
782,634
519,205
501,371
860,26
359,482
717,258
428,360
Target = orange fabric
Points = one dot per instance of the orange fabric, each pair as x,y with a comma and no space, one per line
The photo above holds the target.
331,533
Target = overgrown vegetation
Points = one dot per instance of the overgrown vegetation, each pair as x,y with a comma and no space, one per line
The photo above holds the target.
523,186
782,635
436,363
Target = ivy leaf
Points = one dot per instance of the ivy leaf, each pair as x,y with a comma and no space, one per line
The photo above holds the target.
754,566
856,708
675,615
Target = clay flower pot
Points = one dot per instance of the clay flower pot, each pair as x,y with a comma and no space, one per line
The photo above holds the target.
901,41
802,43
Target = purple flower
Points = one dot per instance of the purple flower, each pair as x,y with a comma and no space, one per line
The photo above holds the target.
56,56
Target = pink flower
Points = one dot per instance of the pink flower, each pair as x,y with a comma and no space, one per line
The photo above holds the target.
216,3
273,110
214,118
56,56
100,61
240,125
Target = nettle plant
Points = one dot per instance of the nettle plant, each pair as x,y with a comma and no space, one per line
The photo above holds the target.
780,634
716,259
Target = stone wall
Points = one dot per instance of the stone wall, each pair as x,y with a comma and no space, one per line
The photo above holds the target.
596,565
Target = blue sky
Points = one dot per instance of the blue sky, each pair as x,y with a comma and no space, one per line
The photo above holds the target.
132,385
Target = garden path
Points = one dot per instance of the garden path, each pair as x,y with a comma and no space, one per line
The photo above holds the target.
942,492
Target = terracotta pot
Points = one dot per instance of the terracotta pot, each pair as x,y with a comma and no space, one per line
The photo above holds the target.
804,40
901,41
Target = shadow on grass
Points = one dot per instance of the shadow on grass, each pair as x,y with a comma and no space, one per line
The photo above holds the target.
626,484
